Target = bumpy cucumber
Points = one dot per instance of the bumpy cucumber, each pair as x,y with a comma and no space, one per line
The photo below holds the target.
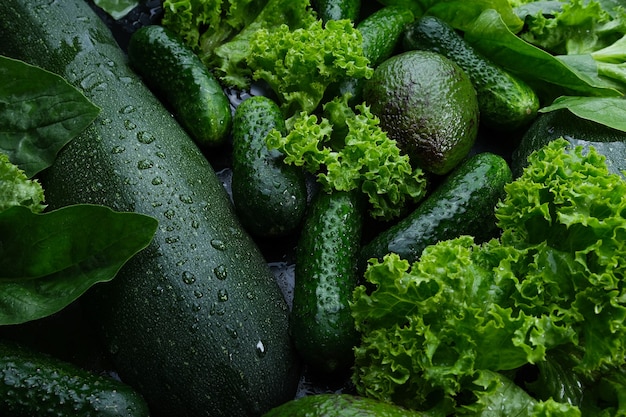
270,196
337,9
340,405
175,73
196,322
381,32
36,384
505,101
325,276
463,204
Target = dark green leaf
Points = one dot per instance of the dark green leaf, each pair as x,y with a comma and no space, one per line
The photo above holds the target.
49,260
610,111
490,35
39,113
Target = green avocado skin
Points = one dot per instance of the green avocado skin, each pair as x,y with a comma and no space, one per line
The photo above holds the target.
339,405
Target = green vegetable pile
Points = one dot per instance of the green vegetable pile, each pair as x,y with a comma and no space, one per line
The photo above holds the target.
48,259
532,322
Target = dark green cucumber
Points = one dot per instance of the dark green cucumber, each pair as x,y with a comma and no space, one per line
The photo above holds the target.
505,101
463,203
176,74
196,322
270,196
37,384
381,32
325,277
337,9
340,405
578,131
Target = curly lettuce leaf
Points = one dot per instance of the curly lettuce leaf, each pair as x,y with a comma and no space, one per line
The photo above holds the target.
348,150
554,281
568,208
16,189
230,59
578,27
300,64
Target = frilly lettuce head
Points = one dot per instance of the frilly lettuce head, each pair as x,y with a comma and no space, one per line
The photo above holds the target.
300,64
16,189
527,324
348,150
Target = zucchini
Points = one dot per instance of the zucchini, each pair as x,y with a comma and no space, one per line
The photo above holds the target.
381,32
325,277
464,203
337,9
176,74
196,322
506,102
578,131
37,384
340,405
270,196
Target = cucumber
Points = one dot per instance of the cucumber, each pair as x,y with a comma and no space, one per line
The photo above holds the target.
270,196
381,32
337,9
578,131
37,384
176,74
464,203
506,102
325,277
196,322
340,405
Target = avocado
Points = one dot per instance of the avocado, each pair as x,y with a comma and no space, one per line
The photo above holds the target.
428,105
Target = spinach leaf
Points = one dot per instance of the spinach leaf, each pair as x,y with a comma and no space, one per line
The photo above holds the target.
491,36
48,260
39,113
610,111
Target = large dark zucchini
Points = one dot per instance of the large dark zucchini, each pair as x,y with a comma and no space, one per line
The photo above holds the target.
196,322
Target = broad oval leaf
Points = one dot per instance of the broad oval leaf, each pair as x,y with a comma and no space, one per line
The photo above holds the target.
48,260
39,113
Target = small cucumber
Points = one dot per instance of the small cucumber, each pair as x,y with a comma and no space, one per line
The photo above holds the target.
337,9
381,32
463,203
340,405
325,277
37,384
505,101
578,131
270,196
175,73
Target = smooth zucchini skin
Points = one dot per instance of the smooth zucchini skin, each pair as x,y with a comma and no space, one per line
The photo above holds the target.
506,102
36,384
196,322
270,196
325,277
463,204
176,74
